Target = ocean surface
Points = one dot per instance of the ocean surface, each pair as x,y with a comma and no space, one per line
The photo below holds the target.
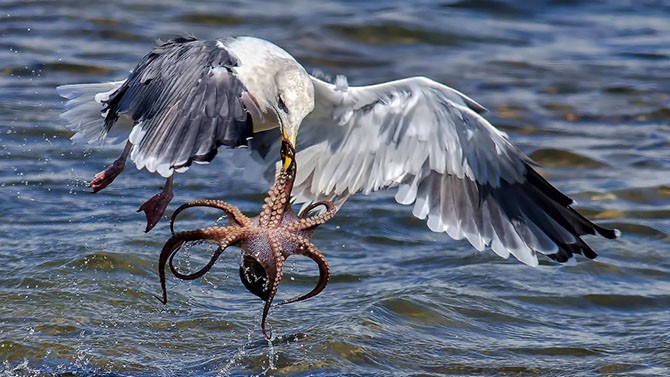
581,86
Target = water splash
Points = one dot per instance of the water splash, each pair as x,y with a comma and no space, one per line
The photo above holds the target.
273,356
242,351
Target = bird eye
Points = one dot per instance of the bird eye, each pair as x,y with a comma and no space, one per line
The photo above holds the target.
281,105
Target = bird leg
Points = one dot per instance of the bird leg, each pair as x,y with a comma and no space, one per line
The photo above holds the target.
155,207
107,176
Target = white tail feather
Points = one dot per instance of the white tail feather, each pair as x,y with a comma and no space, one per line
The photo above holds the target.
83,112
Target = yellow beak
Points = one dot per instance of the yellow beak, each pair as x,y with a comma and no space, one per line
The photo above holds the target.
287,159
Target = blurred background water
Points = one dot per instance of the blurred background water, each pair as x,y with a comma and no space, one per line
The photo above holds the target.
582,86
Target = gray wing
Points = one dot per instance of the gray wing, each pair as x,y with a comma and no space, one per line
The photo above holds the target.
186,101
460,173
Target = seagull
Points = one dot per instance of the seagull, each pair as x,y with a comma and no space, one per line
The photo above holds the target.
188,97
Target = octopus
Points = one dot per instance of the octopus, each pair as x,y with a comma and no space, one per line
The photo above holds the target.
266,240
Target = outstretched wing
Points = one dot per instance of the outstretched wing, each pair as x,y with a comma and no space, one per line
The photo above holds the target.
461,173
186,102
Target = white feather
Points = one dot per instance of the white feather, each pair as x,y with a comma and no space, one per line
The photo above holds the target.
84,114
424,137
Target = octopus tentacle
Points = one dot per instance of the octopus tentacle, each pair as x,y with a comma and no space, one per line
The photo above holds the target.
266,240
234,215
277,201
311,222
234,235
326,203
309,250
201,271
175,242
275,245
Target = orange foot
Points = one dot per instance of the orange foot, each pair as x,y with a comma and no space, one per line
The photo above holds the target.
154,208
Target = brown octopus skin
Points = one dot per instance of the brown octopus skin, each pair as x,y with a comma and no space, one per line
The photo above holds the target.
266,240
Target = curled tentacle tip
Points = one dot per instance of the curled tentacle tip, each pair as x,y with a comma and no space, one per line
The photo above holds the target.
267,333
163,299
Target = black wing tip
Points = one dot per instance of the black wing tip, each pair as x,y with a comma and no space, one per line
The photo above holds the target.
535,179
558,207
177,39
567,251
608,233
559,257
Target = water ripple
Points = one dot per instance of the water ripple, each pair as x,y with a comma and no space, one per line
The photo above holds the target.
580,86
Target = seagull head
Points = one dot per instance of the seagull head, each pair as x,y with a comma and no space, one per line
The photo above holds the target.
295,100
